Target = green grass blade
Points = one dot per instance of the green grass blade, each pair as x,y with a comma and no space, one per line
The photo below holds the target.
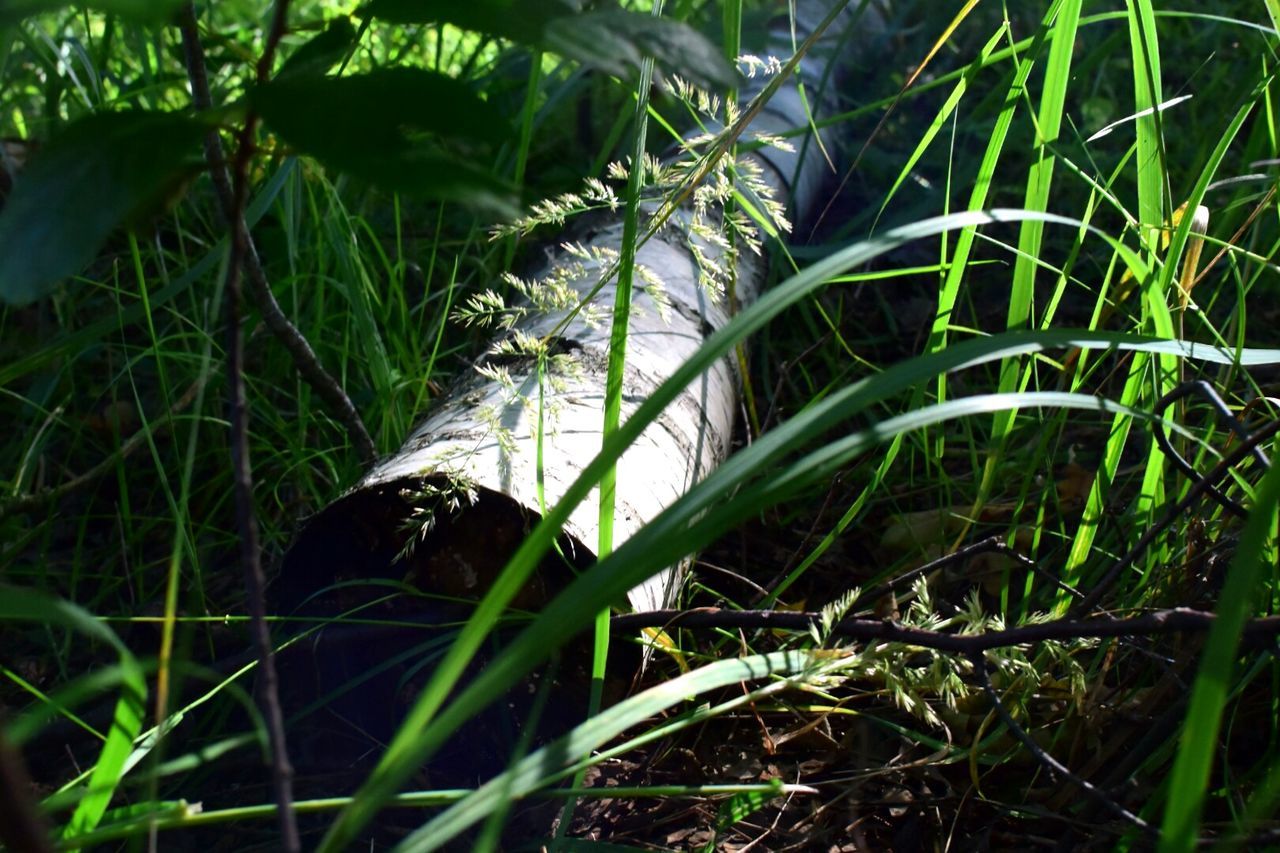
27,605
620,320
410,746
1255,551
1273,12
1146,97
1039,187
1154,295
1040,176
945,112
959,261
544,767
1153,211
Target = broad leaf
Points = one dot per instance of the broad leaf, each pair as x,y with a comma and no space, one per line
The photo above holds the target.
519,20
99,173
434,174
384,127
617,40
614,40
322,52
146,11
378,111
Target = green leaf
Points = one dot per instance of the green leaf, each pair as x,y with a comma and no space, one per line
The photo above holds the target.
741,806
28,605
390,121
144,11
519,20
378,111
101,172
69,343
321,52
616,41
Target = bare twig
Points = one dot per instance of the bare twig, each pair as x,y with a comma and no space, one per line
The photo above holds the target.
304,357
1198,489
1214,399
246,522
1054,766
1178,620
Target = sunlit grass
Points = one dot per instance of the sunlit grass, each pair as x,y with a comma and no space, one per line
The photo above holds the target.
942,377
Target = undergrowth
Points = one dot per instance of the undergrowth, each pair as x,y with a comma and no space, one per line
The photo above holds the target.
950,426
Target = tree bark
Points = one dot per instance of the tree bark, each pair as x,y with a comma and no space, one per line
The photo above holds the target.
456,444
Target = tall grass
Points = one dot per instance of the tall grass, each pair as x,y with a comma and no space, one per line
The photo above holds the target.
956,358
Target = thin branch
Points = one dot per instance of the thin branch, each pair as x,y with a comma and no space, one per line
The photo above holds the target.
246,522
1198,489
1178,620
1054,766
304,357
1219,405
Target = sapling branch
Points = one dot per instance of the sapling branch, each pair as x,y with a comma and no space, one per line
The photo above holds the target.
1211,396
246,521
304,357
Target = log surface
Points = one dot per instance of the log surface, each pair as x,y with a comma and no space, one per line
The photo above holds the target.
694,434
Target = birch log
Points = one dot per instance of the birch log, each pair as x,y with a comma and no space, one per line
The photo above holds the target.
455,444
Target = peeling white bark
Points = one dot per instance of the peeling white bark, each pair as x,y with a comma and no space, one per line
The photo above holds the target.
693,435
689,439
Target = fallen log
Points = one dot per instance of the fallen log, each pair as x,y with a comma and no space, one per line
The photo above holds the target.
446,511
